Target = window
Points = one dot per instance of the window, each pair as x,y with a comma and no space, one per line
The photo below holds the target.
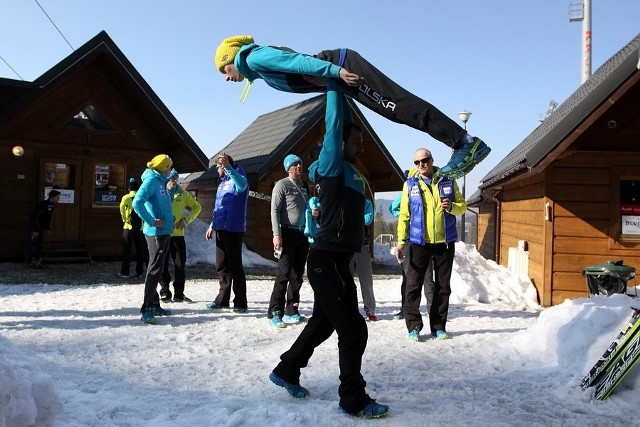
89,118
62,177
109,184
630,207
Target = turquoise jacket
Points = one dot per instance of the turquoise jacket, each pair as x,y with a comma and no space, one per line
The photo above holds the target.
153,201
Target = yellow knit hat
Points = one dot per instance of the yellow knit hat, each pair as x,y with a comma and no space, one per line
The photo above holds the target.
160,162
227,50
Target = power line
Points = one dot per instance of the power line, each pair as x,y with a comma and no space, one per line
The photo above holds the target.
11,68
54,24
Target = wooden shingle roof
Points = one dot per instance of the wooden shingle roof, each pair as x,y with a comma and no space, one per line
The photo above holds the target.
533,150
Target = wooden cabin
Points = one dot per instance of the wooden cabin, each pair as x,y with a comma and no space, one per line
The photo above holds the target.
568,196
84,127
261,148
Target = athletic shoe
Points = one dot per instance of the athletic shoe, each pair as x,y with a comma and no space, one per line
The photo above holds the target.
239,309
213,306
182,299
123,275
159,311
292,319
371,316
148,317
441,335
295,390
165,297
370,411
414,335
276,321
36,264
398,316
464,159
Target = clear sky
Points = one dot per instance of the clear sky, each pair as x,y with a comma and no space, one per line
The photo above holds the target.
502,60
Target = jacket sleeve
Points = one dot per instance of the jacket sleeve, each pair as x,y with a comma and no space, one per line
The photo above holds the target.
194,208
330,160
368,212
238,179
403,216
265,59
459,205
142,195
394,207
277,199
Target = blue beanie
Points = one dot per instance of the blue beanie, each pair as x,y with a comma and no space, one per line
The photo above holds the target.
173,174
290,160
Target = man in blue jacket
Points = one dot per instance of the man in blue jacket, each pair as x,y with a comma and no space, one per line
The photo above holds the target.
229,221
239,58
341,188
152,203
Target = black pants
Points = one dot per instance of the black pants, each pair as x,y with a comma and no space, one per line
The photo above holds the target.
428,280
382,95
34,246
442,257
230,269
178,252
135,238
295,247
158,249
335,309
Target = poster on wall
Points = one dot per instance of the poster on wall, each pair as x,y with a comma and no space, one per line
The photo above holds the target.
66,196
630,218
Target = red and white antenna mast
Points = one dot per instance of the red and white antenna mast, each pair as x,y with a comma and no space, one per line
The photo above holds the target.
580,10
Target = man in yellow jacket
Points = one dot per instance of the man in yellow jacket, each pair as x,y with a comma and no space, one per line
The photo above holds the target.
428,208
185,209
132,233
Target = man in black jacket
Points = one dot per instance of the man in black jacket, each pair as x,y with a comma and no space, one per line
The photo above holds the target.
39,223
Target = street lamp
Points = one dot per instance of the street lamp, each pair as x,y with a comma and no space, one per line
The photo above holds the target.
464,117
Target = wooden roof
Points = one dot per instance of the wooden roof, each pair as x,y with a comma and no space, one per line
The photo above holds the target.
547,141
262,146
16,95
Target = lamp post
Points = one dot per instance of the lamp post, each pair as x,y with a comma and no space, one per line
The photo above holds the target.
464,117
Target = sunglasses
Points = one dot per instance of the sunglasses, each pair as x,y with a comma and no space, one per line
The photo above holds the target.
423,161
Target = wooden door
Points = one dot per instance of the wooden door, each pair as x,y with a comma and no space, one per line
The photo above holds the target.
64,176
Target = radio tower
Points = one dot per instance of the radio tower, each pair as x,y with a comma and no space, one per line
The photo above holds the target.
580,10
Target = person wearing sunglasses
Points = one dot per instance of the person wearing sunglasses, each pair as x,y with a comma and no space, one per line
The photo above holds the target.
239,58
427,223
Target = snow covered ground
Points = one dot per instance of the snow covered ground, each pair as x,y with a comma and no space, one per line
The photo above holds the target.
80,356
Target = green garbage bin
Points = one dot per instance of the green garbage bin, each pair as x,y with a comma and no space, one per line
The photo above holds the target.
608,278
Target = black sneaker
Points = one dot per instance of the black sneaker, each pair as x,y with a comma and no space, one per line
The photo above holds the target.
182,299
165,297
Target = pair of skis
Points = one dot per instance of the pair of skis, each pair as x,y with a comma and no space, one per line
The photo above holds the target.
616,362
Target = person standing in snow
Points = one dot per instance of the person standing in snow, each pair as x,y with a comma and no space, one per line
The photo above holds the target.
132,233
288,203
39,223
239,58
181,202
341,193
427,221
229,220
361,265
152,203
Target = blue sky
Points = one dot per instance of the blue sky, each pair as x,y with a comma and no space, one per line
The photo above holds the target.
503,60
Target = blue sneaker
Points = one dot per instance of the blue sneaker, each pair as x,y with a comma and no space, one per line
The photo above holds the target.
441,335
148,317
294,390
213,306
292,319
239,309
276,321
159,311
464,159
414,335
370,411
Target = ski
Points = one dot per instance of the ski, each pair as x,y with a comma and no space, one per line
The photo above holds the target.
620,368
260,196
610,354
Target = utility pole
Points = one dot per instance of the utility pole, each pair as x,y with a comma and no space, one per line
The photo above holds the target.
580,10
